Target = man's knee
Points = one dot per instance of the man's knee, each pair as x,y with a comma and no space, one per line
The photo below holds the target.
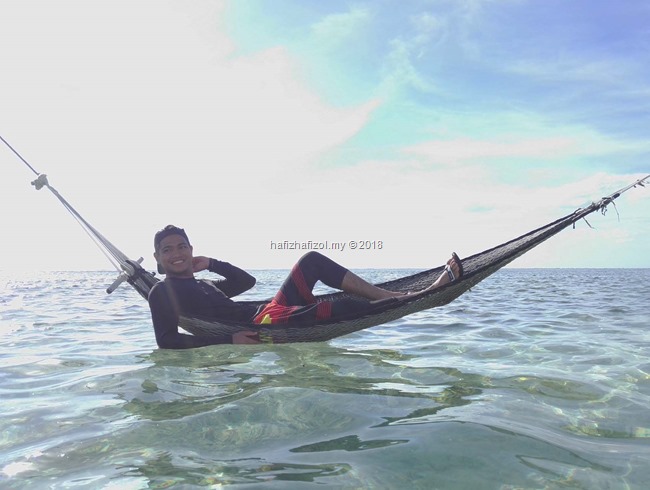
310,257
315,266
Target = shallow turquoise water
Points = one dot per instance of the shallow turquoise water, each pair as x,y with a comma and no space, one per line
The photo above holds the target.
534,379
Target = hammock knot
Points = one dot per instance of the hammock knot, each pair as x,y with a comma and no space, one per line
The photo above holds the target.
132,272
40,182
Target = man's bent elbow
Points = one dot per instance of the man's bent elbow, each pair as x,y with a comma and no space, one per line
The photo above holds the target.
165,344
168,342
251,282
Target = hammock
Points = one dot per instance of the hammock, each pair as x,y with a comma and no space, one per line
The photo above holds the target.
476,268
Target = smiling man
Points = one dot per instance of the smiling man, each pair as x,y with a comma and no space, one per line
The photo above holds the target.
182,294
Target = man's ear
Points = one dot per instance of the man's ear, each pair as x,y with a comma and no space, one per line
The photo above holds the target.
160,267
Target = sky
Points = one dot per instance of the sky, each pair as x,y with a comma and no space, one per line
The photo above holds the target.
416,128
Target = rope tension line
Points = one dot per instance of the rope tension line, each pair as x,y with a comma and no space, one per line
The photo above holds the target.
118,259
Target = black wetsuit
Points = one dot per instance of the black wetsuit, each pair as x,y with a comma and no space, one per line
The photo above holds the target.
294,302
173,297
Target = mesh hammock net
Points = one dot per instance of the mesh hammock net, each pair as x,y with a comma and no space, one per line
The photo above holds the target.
476,268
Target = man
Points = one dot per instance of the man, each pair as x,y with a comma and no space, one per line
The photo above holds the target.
182,294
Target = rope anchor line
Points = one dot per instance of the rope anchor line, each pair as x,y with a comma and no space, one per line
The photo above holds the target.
120,261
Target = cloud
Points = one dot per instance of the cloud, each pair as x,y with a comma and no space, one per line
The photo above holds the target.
501,139
239,145
170,119
408,49
337,28
262,100
452,152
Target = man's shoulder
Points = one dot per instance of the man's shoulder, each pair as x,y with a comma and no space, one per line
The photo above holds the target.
158,289
177,286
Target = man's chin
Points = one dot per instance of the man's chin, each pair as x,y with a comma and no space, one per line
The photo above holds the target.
172,272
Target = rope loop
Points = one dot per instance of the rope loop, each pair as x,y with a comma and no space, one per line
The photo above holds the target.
41,182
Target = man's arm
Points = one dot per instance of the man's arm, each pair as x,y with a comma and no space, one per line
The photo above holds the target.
236,280
165,323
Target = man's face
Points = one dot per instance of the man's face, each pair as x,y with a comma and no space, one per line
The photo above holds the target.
175,255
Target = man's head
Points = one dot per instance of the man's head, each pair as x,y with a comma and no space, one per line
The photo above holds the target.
173,251
165,232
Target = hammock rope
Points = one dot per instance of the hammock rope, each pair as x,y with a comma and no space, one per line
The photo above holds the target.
476,268
129,270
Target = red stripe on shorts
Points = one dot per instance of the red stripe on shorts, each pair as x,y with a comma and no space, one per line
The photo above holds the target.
303,290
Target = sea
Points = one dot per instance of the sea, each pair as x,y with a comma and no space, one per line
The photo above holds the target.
534,379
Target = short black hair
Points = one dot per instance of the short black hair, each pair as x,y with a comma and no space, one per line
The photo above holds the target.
165,232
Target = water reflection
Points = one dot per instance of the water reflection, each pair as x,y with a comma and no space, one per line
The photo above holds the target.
166,470
347,443
181,384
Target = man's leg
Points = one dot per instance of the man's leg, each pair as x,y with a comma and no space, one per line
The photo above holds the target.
313,267
353,284
295,301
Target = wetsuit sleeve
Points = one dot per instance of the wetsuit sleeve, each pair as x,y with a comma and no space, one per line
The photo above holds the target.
165,323
235,281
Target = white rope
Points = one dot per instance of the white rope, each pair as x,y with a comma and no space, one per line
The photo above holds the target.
120,261
98,239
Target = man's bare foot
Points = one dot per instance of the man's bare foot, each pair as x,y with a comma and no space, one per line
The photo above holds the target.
453,271
454,268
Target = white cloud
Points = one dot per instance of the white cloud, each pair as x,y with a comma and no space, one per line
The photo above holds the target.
167,125
452,152
508,137
162,117
581,69
336,28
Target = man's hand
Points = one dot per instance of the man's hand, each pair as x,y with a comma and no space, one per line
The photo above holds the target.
200,263
246,337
